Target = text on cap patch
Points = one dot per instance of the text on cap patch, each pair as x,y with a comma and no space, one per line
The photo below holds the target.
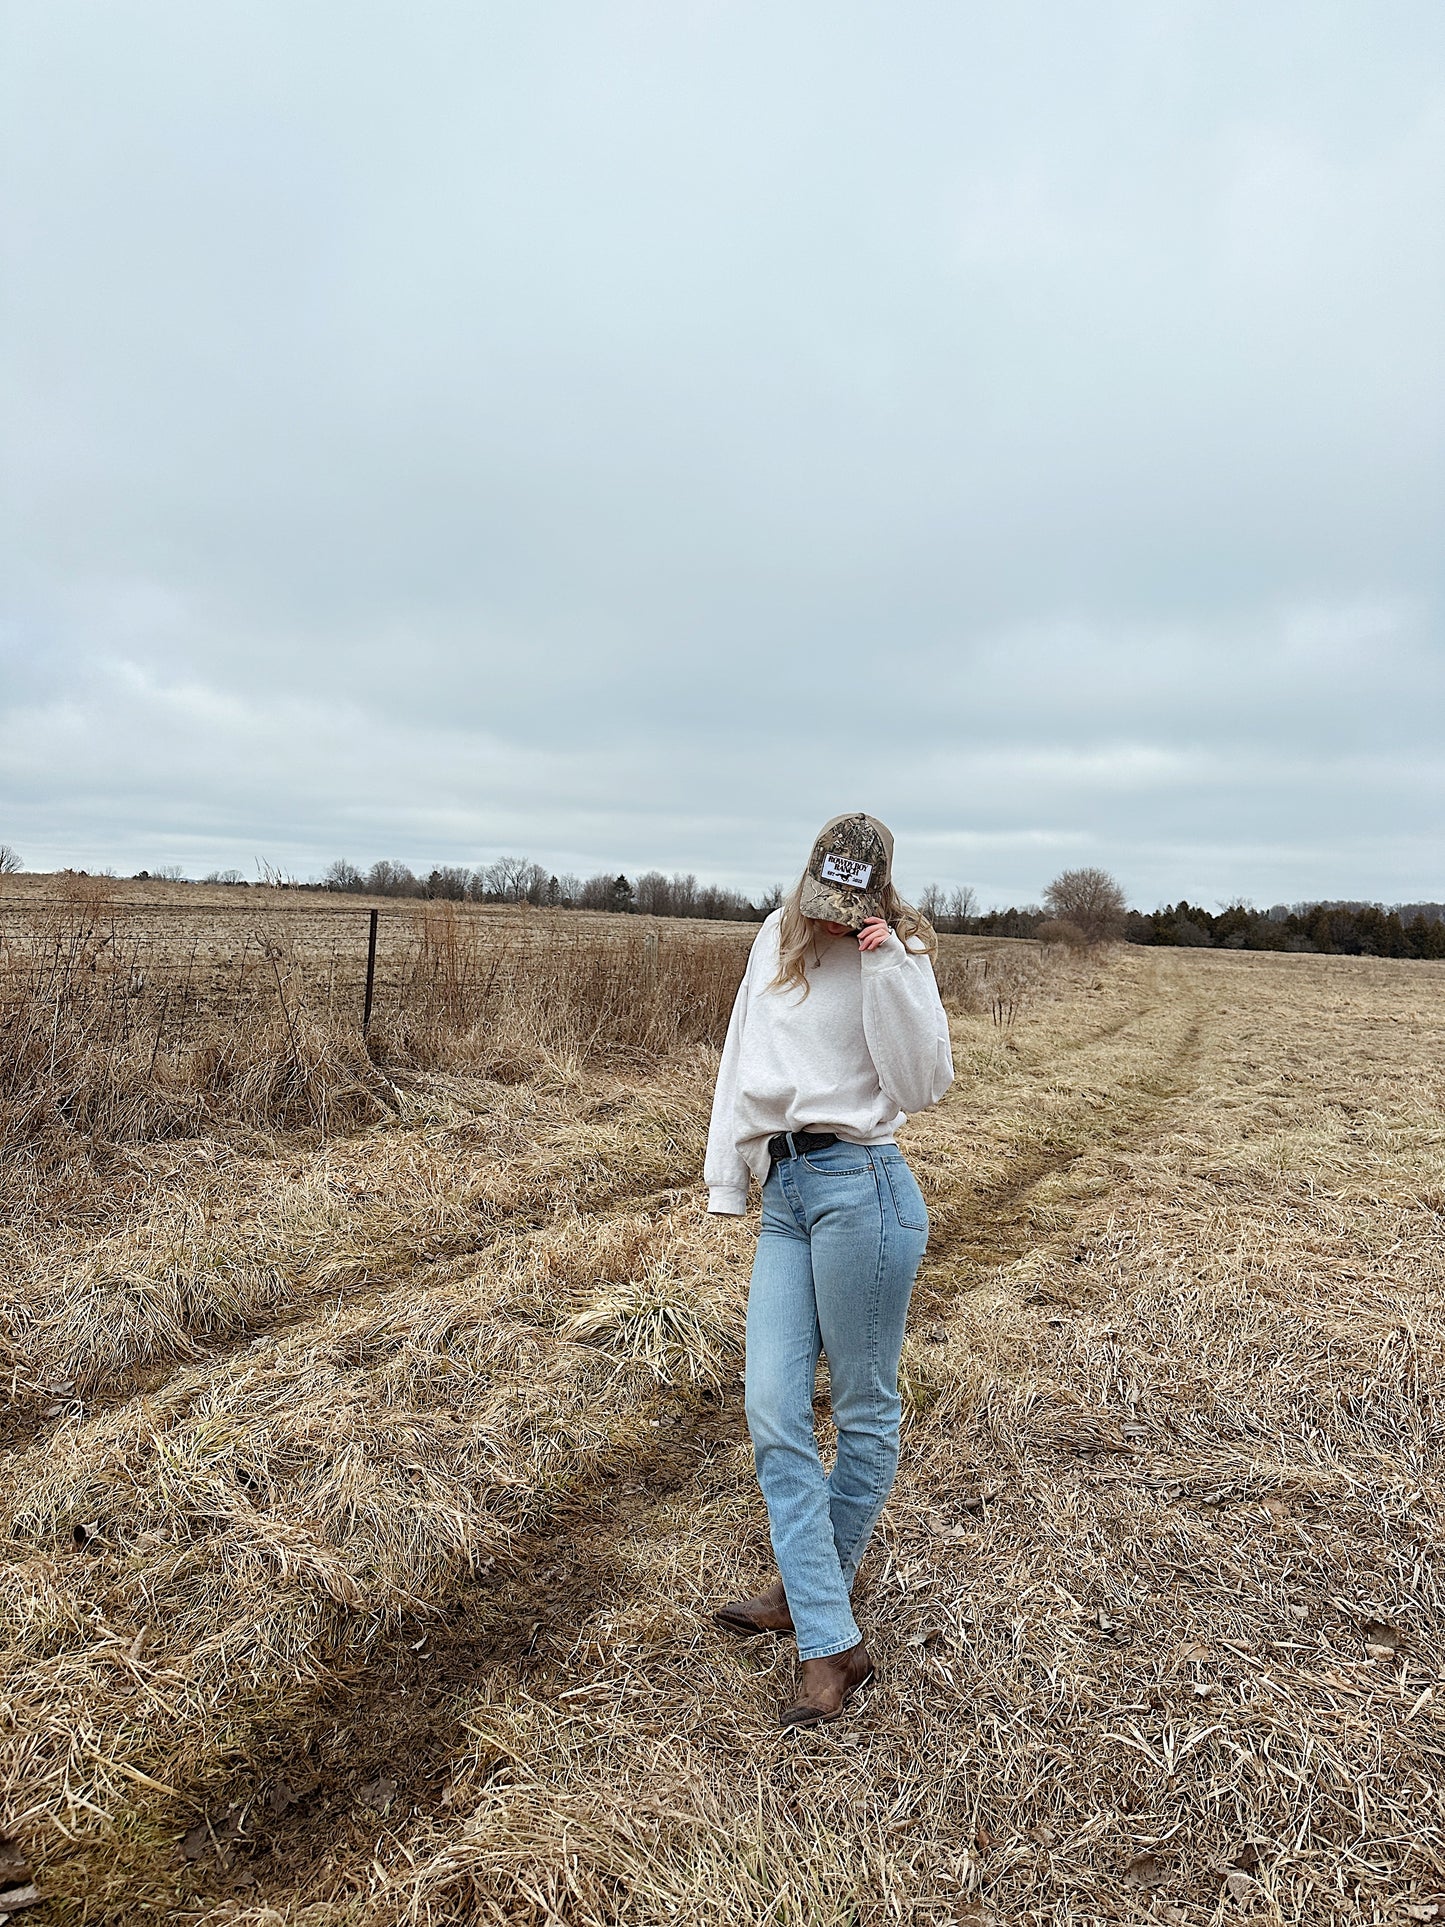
846,869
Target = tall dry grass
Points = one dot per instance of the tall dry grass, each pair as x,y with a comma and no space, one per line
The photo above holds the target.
586,994
102,1044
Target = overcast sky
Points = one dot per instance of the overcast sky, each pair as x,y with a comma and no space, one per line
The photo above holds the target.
627,434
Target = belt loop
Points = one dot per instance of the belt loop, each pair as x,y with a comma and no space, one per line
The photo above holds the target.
792,1147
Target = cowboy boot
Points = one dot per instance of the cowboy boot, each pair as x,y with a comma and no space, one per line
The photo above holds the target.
766,1612
825,1686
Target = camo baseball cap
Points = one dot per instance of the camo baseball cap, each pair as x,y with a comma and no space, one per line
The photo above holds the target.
846,880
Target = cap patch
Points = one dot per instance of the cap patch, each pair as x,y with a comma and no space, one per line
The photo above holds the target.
846,869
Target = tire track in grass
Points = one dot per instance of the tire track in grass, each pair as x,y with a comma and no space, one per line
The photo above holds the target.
310,1790
990,1227
23,1423
383,1734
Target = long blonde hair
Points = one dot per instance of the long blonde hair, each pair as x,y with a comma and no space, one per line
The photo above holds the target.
797,935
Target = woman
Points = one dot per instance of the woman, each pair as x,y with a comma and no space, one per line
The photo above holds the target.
837,1034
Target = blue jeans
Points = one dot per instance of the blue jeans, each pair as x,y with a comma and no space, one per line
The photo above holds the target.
843,1234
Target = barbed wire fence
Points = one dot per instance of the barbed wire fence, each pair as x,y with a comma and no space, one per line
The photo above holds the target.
123,969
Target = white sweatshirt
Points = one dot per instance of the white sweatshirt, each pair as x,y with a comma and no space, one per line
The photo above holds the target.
865,1047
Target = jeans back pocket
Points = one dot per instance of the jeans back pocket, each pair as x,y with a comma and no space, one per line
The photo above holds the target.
908,1206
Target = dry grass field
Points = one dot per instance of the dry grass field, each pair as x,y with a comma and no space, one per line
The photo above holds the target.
368,1481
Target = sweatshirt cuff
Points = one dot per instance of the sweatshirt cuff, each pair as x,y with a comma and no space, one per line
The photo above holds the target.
890,953
728,1200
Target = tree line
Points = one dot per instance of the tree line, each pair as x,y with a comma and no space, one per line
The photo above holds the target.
1327,929
513,879
1080,907
1087,906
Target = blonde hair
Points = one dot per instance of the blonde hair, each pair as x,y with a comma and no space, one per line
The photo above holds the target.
797,935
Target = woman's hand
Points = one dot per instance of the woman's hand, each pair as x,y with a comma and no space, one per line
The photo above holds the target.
873,932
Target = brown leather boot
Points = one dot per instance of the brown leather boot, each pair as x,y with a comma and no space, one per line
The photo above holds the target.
766,1612
825,1686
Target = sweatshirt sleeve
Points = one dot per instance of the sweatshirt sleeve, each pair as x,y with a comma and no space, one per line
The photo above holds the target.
723,1171
905,1025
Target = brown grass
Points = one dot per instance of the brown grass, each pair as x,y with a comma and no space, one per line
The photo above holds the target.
368,1492
120,1028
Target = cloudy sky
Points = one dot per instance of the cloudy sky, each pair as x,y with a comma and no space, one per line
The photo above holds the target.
627,434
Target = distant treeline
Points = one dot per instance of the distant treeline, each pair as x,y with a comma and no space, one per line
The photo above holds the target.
1329,929
514,879
1349,929
1326,929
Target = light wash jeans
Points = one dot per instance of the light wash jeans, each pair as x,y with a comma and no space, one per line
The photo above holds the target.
843,1234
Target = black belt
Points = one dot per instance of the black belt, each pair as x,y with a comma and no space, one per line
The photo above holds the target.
797,1144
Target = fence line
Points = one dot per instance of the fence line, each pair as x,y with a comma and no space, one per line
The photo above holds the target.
118,971
123,973
337,904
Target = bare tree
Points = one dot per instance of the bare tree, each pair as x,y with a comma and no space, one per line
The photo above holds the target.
654,894
716,900
387,879
962,907
342,875
505,880
1090,900
948,910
